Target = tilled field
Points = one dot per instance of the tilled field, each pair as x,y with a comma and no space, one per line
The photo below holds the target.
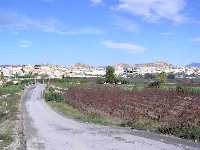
168,108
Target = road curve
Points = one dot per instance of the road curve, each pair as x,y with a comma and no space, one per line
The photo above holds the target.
45,129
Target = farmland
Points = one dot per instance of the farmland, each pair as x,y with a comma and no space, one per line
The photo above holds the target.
164,111
171,109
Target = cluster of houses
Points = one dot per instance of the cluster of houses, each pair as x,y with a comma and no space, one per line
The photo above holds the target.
126,70
82,70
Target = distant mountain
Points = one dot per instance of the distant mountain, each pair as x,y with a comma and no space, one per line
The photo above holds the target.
194,64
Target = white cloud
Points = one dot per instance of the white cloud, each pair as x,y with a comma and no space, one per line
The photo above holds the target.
96,2
154,10
132,48
24,43
16,22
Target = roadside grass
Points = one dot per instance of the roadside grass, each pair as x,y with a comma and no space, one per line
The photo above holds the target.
71,112
9,108
8,112
142,124
11,89
6,133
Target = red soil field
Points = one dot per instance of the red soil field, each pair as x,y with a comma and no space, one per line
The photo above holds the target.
167,107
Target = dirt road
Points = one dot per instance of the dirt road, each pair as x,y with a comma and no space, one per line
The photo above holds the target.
47,130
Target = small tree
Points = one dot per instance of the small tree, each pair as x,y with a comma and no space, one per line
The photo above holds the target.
22,69
155,84
2,77
162,77
16,75
110,75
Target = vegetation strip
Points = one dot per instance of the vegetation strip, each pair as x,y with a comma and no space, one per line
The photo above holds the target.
10,118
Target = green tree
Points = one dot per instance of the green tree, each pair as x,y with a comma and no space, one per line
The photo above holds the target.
22,69
162,77
110,74
16,75
2,77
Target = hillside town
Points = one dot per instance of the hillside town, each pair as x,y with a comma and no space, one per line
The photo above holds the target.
89,71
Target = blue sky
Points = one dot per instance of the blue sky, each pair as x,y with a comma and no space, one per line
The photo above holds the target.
99,32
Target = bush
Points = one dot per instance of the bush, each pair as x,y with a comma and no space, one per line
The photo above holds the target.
52,95
155,84
110,75
26,81
182,132
191,90
180,89
123,81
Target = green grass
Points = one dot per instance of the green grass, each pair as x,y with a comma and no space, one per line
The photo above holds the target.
6,133
66,83
5,139
9,108
142,124
11,89
74,113
7,120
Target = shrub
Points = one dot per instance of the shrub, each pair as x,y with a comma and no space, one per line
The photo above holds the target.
52,95
162,77
180,89
110,75
182,132
123,81
155,84
26,81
